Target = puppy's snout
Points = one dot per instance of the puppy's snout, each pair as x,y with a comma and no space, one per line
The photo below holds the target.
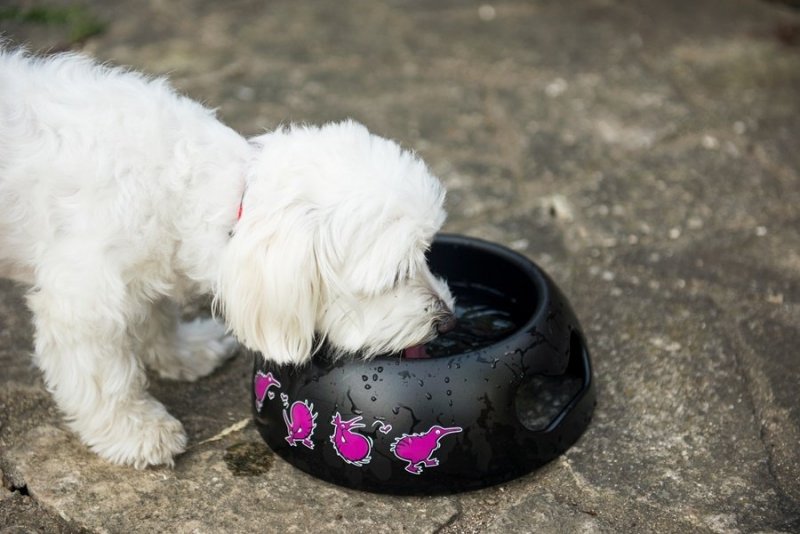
446,323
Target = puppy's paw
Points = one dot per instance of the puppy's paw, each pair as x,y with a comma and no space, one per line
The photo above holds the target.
199,347
141,434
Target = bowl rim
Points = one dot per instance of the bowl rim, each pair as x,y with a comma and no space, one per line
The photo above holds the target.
529,269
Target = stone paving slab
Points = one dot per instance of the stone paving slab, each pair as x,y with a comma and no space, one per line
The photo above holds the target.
643,152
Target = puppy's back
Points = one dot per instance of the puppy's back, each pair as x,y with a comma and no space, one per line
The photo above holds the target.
87,148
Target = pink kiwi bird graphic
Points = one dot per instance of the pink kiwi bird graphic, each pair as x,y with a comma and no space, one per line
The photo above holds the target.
300,426
261,384
418,449
352,447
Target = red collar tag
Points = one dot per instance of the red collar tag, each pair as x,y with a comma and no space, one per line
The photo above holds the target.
241,205
238,213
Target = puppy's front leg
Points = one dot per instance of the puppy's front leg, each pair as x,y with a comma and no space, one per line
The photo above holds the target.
84,351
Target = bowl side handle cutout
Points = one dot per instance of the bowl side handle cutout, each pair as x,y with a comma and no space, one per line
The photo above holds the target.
543,399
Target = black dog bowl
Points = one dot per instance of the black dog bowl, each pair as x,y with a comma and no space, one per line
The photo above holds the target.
483,409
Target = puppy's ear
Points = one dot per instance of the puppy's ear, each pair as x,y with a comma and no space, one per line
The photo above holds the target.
269,283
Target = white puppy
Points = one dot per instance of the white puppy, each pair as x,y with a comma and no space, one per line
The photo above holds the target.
120,198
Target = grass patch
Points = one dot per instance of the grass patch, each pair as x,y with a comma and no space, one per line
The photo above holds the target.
79,22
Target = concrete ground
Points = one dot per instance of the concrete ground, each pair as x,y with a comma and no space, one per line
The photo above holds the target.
645,153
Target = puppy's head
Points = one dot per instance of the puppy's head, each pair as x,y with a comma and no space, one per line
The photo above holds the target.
331,245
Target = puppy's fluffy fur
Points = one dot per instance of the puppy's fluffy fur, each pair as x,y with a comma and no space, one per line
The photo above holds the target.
119,199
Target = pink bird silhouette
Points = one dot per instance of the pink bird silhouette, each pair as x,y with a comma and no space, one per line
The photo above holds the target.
261,383
418,449
301,425
352,447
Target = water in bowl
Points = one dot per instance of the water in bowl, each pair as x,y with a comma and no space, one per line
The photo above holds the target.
484,317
